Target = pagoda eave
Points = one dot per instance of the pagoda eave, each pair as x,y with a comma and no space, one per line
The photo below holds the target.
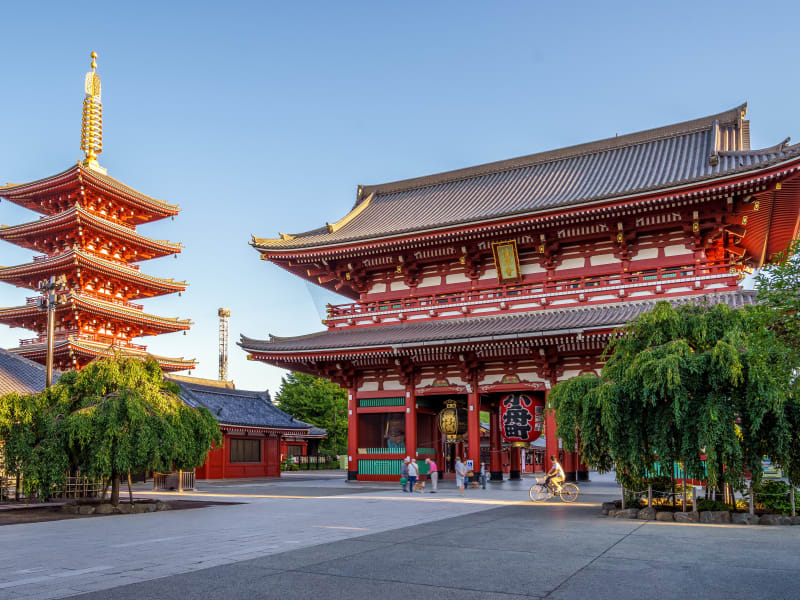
71,353
74,182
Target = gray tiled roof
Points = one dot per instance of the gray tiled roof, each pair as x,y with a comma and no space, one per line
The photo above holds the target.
476,329
241,407
630,164
18,374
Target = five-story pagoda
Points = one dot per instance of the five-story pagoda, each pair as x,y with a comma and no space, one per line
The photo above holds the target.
87,241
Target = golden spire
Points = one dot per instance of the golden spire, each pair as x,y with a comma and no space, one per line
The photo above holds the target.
92,123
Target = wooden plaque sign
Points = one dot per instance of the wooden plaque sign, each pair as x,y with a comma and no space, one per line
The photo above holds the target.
506,262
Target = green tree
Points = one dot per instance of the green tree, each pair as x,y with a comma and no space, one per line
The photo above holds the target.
778,287
684,382
317,401
115,416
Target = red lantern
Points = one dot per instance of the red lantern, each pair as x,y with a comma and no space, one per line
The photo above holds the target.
521,418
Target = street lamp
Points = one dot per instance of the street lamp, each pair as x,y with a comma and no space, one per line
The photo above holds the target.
48,302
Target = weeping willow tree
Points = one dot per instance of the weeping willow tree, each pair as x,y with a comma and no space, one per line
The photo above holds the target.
116,416
684,383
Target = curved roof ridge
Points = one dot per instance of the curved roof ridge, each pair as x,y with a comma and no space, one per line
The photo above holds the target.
727,117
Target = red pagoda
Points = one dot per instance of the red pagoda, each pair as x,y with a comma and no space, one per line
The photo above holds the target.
87,239
479,289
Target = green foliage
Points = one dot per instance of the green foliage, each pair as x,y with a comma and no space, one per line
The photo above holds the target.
779,288
683,383
773,497
116,416
320,402
708,504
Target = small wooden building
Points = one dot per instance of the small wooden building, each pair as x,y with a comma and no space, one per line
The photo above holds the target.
257,434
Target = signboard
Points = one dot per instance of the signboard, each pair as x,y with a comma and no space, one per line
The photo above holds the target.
506,262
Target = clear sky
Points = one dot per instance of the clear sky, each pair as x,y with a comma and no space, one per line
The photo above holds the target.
264,117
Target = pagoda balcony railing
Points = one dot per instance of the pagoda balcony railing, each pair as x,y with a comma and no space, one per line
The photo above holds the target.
34,300
538,295
77,335
100,255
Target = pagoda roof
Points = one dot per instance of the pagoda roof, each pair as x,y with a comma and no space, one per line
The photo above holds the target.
73,346
652,161
468,330
79,258
241,407
110,310
18,374
78,214
78,174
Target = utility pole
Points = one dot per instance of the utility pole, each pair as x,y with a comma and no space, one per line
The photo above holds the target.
49,302
223,314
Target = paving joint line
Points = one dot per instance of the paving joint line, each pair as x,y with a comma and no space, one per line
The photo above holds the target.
596,558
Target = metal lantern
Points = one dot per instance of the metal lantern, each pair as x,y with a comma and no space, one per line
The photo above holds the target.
452,421
521,419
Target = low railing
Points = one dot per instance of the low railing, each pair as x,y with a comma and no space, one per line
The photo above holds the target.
34,300
314,461
175,480
540,290
80,487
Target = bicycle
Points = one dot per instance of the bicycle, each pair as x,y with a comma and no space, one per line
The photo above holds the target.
568,492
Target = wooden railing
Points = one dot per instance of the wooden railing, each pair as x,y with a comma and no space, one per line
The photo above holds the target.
34,300
581,288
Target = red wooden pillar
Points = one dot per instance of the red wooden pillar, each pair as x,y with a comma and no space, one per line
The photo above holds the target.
582,468
516,463
352,434
411,422
570,464
495,444
474,426
551,440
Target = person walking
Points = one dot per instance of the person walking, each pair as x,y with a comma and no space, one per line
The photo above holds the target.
413,471
404,472
461,473
433,473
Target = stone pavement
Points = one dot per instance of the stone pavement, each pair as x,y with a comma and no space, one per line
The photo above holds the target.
379,541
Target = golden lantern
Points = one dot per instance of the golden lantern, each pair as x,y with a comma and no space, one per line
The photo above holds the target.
452,421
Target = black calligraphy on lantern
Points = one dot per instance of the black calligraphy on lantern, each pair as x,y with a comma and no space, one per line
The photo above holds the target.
517,418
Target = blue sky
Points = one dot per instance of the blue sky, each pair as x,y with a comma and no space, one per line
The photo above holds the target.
264,117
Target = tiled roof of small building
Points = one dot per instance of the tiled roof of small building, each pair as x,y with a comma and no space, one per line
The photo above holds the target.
479,329
18,374
241,407
648,161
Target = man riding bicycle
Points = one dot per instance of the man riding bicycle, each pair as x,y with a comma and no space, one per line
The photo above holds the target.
554,475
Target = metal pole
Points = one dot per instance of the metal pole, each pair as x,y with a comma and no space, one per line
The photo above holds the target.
650,495
180,482
51,329
623,496
750,495
791,495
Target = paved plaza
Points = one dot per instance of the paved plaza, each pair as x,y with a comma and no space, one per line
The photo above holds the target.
315,536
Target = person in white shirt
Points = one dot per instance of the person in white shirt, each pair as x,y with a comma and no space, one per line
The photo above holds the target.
413,471
461,473
554,475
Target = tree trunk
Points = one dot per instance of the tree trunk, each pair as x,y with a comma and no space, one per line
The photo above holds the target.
130,491
16,489
115,489
106,483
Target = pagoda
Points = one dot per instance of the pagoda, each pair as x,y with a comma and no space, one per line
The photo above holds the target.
87,240
479,289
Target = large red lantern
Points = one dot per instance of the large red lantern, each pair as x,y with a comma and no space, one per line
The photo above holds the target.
521,419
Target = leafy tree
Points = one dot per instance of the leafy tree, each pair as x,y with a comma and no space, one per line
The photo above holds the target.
32,430
115,416
779,288
320,402
684,382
